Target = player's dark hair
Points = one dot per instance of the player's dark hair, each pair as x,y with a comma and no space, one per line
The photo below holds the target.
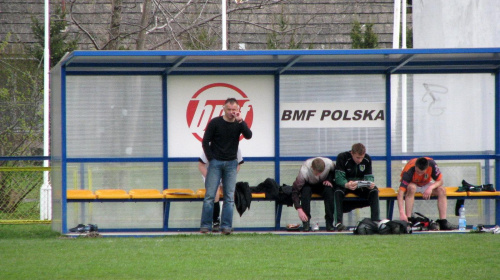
422,163
231,100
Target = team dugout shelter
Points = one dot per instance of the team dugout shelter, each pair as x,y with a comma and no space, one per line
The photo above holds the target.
131,120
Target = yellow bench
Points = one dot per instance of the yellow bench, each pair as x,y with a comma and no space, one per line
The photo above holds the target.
189,195
145,194
112,194
80,194
179,193
483,194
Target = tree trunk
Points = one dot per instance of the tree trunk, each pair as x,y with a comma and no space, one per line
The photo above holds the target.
141,38
114,32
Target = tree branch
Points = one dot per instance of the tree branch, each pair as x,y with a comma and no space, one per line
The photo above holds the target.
94,42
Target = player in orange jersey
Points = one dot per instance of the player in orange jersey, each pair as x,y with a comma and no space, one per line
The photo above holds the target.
422,175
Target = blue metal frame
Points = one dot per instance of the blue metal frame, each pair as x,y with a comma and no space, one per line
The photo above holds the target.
34,158
497,143
166,206
388,146
277,63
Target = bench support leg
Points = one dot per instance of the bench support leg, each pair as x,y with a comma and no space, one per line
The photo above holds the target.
277,214
166,213
389,209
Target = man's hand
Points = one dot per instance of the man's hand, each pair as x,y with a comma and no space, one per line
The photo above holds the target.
352,185
237,116
427,194
327,183
302,215
403,217
372,185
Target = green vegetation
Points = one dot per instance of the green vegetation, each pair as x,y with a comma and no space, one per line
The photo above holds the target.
283,36
201,39
35,252
363,40
60,43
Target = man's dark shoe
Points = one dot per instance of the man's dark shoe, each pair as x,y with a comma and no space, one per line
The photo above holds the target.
204,230
306,226
78,228
226,231
466,185
488,188
330,227
216,226
81,228
445,225
340,227
91,227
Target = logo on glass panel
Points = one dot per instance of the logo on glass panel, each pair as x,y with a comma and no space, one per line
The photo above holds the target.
208,102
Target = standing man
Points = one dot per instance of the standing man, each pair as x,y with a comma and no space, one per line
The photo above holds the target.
315,176
352,167
203,168
422,175
220,144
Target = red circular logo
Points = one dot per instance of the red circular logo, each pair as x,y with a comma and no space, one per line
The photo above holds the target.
208,103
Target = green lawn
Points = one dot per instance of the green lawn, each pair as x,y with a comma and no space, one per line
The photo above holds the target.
35,252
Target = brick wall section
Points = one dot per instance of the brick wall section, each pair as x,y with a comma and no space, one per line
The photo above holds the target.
318,24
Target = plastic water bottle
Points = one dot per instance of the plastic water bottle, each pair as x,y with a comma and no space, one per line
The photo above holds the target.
462,222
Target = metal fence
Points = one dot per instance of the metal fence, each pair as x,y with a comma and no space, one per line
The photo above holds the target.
20,193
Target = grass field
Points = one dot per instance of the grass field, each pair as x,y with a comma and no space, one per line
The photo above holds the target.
35,252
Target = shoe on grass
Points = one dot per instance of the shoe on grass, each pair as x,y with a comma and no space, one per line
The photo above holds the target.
340,227
445,225
204,230
306,226
216,226
226,231
315,227
78,228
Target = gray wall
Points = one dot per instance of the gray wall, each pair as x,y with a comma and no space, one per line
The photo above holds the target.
319,24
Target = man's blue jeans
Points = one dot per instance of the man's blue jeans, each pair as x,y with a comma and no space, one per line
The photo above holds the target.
217,170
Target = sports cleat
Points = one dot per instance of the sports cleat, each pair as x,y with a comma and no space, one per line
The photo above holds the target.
81,228
315,227
340,227
445,225
226,231
78,228
91,227
330,227
473,188
466,185
216,226
488,188
433,226
306,226
204,230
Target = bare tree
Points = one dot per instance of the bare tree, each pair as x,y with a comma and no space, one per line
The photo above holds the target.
166,24
114,28
141,38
